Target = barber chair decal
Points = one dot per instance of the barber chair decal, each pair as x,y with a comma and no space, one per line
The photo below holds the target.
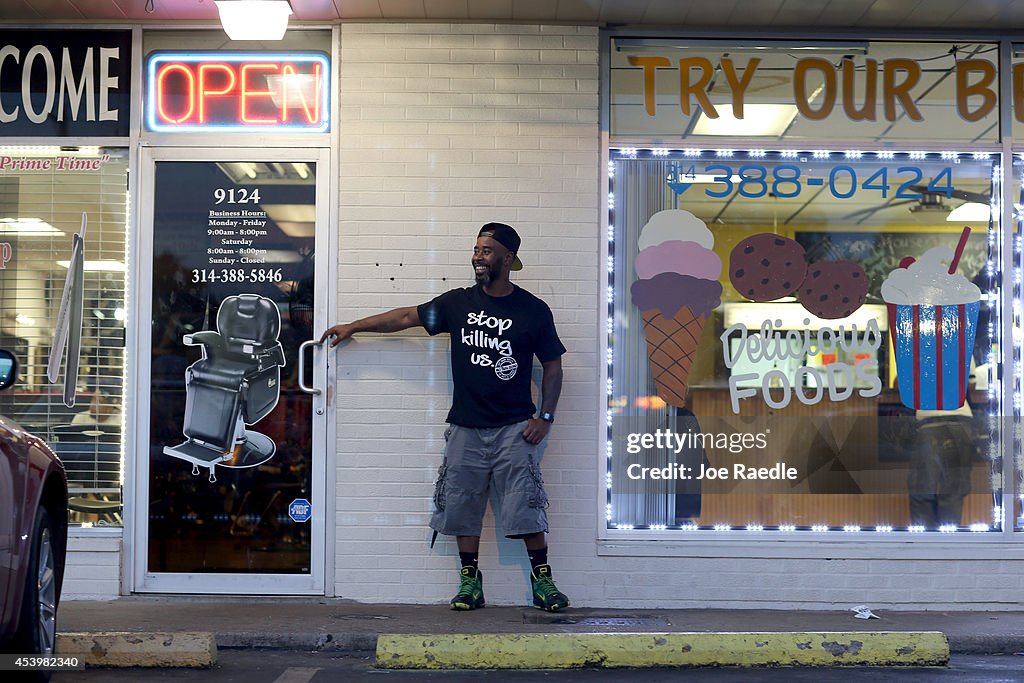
236,383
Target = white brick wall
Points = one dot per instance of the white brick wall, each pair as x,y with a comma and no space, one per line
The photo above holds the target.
93,568
443,128
788,583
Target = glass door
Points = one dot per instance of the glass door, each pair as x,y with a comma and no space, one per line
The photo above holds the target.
232,422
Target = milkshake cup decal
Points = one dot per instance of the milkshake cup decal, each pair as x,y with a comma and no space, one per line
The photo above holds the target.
933,320
676,291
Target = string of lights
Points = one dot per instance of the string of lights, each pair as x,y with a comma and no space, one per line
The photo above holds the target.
993,299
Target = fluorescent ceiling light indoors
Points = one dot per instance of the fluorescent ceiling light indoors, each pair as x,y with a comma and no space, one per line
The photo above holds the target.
758,119
28,227
294,220
970,212
98,266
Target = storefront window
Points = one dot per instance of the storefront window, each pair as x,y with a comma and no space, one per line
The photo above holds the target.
47,196
804,340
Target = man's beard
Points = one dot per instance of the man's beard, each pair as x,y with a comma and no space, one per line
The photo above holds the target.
489,275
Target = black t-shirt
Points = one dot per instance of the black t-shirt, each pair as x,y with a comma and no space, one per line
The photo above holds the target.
494,340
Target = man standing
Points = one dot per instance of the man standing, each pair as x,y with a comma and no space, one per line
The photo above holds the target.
496,329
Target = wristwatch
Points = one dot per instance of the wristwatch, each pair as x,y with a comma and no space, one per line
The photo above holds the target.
547,417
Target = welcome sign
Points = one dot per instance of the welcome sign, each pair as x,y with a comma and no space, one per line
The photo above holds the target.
65,83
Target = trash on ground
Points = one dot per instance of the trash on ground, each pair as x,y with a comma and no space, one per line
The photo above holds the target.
863,612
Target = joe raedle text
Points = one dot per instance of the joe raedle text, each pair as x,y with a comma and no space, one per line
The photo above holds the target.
738,471
674,444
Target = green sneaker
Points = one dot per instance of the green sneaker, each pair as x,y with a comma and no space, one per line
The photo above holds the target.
471,589
546,595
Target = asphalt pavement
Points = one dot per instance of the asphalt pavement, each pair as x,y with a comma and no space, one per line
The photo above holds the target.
285,666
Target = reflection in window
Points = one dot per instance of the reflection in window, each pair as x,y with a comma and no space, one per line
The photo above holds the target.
803,340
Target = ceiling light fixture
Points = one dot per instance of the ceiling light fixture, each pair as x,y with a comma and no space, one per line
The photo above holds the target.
103,266
28,227
970,212
294,220
758,119
254,19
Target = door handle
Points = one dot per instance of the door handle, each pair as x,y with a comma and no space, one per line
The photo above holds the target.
302,366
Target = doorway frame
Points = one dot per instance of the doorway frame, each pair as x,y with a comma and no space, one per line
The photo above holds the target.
139,344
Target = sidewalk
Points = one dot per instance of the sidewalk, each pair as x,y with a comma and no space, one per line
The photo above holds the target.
345,626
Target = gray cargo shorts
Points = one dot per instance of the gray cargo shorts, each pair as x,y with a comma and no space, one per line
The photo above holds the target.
474,459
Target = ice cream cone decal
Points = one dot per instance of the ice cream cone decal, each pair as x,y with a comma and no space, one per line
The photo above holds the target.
676,291
933,320
671,348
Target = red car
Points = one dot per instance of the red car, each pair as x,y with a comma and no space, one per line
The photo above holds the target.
33,533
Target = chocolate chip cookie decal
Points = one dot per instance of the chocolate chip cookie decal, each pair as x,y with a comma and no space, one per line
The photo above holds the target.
766,267
834,289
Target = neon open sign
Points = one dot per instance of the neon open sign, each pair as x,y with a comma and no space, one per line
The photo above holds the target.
237,92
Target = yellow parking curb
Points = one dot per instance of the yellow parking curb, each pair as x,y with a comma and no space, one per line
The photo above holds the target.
607,650
189,649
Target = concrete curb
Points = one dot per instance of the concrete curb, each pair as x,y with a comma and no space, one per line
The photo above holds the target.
639,650
361,643
124,649
986,645
342,643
